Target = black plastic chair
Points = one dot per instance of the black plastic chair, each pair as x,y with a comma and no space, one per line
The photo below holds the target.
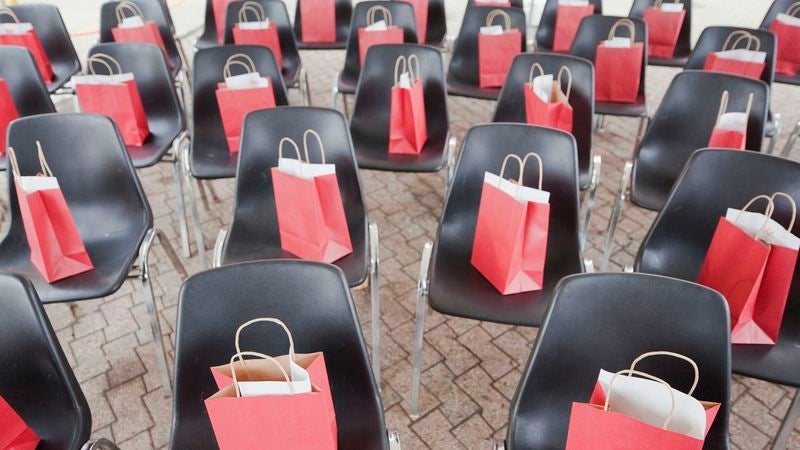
294,75
254,233
370,122
683,124
107,203
321,316
208,157
25,84
676,245
647,313
546,30
452,285
344,11
436,29
713,38
46,20
594,29
684,46
511,108
463,73
346,81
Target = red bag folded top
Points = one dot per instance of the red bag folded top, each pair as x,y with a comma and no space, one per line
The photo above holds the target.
136,29
664,24
546,104
15,434
318,21
377,31
8,112
730,128
24,35
498,45
569,15
786,27
408,130
618,66
261,32
748,61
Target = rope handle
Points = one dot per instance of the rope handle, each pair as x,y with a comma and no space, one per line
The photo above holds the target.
521,162
630,372
401,61
768,212
675,355
495,13
6,11
793,9
241,356
562,71
742,35
305,147
127,6
239,59
261,320
791,202
106,60
372,12
293,143
253,7
723,105
532,72
12,158
406,67
627,23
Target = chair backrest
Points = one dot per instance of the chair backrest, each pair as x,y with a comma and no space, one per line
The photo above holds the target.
373,99
153,80
209,35
277,14
546,31
25,84
464,60
594,29
436,29
513,3
684,122
684,44
321,317
254,216
208,72
713,38
37,380
604,321
152,10
344,11
94,171
402,17
511,103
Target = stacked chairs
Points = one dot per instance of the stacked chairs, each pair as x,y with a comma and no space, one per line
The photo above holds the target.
343,14
314,302
447,279
369,125
683,48
646,313
676,245
398,14
107,203
546,30
683,124
511,108
294,75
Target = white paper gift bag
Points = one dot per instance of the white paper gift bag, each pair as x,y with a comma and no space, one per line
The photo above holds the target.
377,26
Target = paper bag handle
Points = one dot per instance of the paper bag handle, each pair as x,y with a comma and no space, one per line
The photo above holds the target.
6,11
723,105
561,71
372,12
791,202
742,35
675,355
106,60
630,372
768,212
253,7
793,9
521,162
260,320
128,6
402,65
12,157
531,74
239,59
627,23
319,140
241,356
495,13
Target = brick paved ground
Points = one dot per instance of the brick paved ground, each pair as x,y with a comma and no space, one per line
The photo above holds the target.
466,395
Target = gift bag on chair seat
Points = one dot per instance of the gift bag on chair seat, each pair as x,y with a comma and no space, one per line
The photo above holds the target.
261,32
56,248
318,21
786,28
309,207
15,434
546,104
664,23
135,29
498,45
568,18
618,66
24,35
730,129
407,124
8,112
114,95
748,61
377,31
510,244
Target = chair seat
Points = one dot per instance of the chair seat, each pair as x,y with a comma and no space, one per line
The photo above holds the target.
770,130
461,89
61,74
205,42
210,163
154,147
675,61
635,109
347,85
458,289
373,154
786,79
340,45
291,75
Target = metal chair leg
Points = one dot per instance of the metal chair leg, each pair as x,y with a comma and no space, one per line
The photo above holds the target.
600,123
394,440
615,214
422,294
195,217
781,441
643,121
787,148
305,92
100,444
216,258
500,444
591,194
451,162
177,173
335,92
375,292
776,121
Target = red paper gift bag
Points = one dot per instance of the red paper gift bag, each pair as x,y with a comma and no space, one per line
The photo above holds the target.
23,34
497,48
664,23
510,245
730,129
8,112
56,247
568,18
545,103
309,206
261,32
318,21
135,29
15,434
220,9
618,66
408,130
302,420
377,32
114,95
748,61
240,95
787,29
421,18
